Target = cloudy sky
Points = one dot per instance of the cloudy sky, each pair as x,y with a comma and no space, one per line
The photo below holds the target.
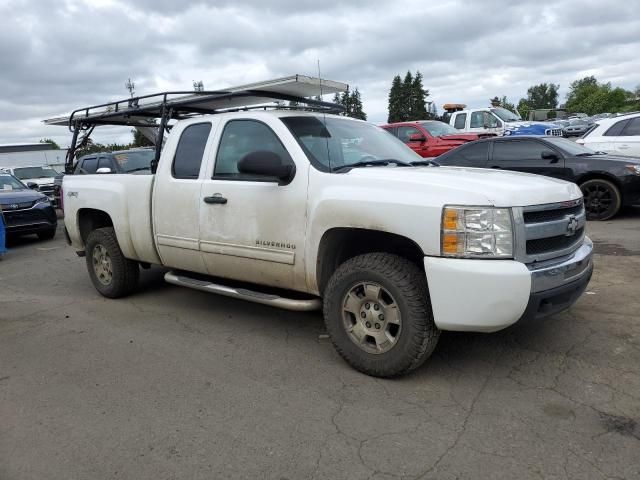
57,55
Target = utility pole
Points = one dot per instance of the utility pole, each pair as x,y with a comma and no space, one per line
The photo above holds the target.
129,85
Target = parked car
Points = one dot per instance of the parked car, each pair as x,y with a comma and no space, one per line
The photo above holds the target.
619,135
499,121
576,128
607,182
25,210
123,161
429,138
41,176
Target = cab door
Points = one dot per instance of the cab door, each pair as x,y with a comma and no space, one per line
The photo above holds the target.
251,227
177,195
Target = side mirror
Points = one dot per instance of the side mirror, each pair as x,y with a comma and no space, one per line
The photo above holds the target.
266,164
548,155
417,137
104,170
32,185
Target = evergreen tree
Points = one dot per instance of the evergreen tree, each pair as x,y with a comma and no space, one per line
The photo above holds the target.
407,97
355,107
395,100
418,110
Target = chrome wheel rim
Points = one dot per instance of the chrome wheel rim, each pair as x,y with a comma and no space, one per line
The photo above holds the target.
102,265
371,317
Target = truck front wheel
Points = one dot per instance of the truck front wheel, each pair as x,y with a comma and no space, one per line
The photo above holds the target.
111,273
378,314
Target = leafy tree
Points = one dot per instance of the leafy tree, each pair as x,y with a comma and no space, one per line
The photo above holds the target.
502,102
523,108
48,140
590,96
543,96
395,100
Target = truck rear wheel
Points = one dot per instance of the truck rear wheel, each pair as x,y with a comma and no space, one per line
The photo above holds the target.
378,314
111,273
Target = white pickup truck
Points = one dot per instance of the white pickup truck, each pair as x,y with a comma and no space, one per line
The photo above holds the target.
499,121
305,210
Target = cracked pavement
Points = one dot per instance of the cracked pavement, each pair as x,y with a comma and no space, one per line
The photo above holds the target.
173,383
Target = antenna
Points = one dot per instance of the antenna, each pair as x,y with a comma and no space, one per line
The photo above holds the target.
324,119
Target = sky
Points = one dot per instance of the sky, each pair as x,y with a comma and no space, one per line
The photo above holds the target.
58,55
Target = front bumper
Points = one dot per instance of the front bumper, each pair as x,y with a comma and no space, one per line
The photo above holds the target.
490,295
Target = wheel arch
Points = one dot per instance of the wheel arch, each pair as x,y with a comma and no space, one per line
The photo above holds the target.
339,244
90,219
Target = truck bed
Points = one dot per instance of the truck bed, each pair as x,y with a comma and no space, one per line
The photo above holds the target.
127,201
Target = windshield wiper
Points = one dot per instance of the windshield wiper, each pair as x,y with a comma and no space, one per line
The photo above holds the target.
586,154
373,163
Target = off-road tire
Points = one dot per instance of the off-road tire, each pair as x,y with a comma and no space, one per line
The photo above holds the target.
407,285
610,191
125,272
47,234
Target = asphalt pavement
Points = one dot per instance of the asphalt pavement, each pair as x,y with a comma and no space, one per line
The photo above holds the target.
173,383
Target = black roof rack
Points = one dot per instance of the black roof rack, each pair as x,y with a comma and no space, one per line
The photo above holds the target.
157,109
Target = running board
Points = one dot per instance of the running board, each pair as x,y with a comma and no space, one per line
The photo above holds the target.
244,294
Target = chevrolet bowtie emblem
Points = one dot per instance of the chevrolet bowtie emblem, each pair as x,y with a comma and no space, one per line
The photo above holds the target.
572,226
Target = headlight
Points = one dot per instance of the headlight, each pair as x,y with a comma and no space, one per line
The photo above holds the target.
484,232
634,169
42,200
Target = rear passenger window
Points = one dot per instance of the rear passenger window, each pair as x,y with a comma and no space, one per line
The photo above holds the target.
186,163
616,129
633,128
460,121
89,165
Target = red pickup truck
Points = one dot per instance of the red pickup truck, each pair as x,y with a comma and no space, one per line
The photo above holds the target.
429,138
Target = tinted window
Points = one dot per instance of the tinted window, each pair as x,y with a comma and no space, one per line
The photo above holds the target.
240,138
186,163
392,130
461,119
518,150
89,165
616,129
471,155
633,128
104,162
405,132
134,161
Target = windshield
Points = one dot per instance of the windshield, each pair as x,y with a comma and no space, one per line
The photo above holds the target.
34,172
7,182
571,148
137,160
506,115
437,129
333,143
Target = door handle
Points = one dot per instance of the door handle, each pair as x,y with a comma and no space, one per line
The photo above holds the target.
215,198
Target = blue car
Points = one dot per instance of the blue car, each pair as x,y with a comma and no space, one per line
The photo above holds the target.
26,211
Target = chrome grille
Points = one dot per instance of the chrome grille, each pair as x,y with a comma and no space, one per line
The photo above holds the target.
544,232
554,132
17,206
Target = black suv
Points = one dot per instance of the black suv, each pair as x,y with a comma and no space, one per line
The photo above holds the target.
25,210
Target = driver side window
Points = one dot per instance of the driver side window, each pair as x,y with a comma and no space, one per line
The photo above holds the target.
240,138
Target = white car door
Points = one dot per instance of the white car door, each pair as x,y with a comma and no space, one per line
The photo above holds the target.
252,227
628,142
176,195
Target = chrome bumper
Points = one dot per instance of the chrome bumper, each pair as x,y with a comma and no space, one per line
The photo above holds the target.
558,272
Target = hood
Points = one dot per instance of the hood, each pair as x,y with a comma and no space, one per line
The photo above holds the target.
39,181
18,196
529,128
612,158
472,186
